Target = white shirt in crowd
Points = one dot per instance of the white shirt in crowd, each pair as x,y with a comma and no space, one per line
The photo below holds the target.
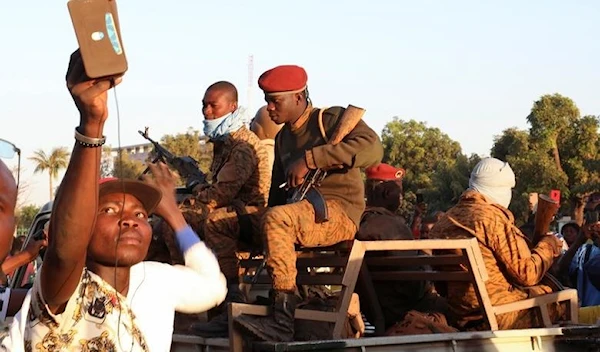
156,291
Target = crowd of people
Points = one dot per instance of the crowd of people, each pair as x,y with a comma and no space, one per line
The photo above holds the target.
112,282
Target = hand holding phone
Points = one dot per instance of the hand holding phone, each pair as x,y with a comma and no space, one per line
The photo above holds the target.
96,24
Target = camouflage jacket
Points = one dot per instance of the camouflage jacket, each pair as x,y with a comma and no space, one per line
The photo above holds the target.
240,171
510,263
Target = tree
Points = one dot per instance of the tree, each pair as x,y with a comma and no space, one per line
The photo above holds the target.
125,167
579,147
106,162
512,141
25,215
418,149
535,172
53,163
23,191
449,181
191,144
560,151
423,152
550,116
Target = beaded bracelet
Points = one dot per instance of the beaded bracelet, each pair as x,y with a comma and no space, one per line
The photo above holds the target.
89,142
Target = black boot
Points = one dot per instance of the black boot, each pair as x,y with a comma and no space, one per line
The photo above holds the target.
219,325
277,327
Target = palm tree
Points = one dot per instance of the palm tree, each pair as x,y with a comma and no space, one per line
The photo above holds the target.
57,160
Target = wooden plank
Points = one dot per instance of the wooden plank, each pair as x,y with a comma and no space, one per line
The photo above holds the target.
305,314
399,245
355,261
370,305
478,279
421,275
342,246
316,315
416,260
305,262
529,303
303,279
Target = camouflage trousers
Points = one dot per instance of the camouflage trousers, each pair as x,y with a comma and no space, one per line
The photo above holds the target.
285,226
222,232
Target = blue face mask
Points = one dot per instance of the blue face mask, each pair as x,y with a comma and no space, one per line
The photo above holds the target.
211,127
221,127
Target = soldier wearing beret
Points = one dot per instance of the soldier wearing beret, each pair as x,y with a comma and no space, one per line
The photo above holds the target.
380,222
384,196
299,147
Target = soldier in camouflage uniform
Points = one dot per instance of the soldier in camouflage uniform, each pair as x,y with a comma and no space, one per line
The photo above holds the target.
515,271
299,147
228,210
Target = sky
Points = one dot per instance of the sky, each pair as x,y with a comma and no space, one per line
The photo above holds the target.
471,68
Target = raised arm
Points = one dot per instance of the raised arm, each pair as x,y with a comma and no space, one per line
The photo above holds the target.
25,256
76,202
526,267
199,285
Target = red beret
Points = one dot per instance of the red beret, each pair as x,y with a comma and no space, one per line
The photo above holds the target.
384,172
283,79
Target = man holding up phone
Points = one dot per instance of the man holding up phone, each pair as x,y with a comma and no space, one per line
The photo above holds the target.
94,291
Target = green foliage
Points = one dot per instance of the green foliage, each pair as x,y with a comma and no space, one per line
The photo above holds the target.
106,162
190,143
53,163
535,172
560,151
433,162
450,180
512,141
550,116
25,215
418,149
125,167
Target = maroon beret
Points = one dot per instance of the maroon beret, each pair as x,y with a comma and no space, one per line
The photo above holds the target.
283,79
384,172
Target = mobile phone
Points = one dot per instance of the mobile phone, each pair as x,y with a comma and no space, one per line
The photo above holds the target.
555,195
96,24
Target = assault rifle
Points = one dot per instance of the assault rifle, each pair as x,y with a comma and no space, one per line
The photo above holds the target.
186,166
308,189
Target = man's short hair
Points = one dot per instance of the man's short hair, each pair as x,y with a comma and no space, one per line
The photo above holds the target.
386,194
225,87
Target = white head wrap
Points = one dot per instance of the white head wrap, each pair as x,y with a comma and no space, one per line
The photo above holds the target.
494,179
